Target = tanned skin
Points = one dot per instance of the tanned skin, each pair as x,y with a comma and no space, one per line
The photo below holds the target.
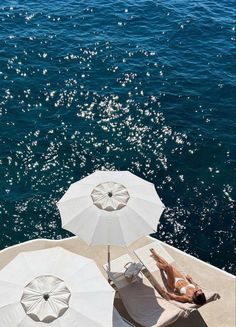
171,274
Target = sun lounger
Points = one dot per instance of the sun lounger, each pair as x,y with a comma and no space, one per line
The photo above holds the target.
158,277
141,300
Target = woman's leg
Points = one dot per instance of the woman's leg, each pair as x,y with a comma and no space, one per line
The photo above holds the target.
157,257
170,271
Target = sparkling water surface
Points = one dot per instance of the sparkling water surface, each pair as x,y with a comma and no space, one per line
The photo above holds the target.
145,86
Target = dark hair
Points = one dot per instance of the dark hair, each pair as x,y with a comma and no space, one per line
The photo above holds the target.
199,298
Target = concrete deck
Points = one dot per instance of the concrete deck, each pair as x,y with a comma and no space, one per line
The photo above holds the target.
219,313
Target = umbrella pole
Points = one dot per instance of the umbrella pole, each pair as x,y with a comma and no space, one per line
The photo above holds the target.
109,262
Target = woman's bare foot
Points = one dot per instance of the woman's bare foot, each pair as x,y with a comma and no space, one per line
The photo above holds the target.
153,254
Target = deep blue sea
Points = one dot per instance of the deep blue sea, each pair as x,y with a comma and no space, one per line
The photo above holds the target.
145,86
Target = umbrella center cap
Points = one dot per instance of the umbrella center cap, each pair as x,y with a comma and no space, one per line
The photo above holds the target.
110,196
45,298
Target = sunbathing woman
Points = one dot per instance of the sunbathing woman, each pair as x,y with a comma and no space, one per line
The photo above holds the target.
182,286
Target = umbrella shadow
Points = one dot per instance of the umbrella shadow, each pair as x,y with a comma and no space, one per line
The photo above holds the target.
142,302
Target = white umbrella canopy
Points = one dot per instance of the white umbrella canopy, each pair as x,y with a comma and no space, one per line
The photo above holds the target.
111,208
56,288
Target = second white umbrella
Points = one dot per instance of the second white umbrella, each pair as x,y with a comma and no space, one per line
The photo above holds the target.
54,287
